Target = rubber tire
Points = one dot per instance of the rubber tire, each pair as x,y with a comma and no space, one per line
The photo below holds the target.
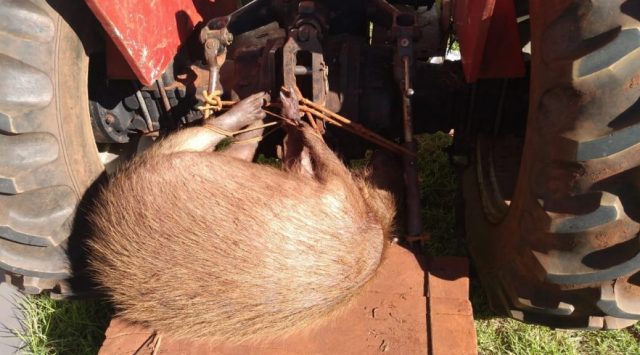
49,157
566,252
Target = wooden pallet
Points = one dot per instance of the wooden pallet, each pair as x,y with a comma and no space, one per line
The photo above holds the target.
390,316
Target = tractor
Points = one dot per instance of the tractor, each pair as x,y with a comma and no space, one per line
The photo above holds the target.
543,104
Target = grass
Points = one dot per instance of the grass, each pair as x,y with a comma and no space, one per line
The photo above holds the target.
438,188
63,327
508,336
77,327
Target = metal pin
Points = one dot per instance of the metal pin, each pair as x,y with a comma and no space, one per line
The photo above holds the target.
145,110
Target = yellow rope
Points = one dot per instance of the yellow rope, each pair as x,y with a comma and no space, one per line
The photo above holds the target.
230,134
212,103
219,130
255,139
249,140
249,129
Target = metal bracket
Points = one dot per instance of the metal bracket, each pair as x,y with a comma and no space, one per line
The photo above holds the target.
215,43
305,37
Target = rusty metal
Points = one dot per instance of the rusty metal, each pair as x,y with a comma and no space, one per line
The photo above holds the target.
338,70
304,40
406,103
255,63
403,29
145,110
163,93
215,41
255,24
214,69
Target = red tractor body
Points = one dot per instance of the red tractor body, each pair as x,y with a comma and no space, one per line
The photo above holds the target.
146,36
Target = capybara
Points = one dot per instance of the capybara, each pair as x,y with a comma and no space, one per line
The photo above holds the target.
202,244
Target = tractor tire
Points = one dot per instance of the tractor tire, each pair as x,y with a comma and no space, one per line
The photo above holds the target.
48,156
562,247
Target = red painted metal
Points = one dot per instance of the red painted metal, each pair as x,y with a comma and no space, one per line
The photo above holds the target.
489,39
471,20
117,66
148,34
503,50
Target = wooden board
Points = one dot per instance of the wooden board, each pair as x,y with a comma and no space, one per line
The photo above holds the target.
389,316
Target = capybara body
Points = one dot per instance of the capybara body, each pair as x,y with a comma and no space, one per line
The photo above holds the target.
200,244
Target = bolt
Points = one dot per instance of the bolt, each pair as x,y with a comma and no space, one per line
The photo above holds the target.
404,42
303,34
410,92
109,119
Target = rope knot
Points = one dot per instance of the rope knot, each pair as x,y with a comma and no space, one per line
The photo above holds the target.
212,103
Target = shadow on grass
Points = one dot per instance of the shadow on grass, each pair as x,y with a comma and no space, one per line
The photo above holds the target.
439,188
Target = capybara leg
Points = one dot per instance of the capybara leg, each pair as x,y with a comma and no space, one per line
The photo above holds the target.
326,165
200,139
296,156
243,113
245,145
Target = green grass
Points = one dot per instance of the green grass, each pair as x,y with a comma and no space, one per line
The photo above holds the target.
438,188
275,162
508,336
63,327
77,327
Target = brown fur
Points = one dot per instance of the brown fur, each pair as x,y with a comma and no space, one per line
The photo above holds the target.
200,244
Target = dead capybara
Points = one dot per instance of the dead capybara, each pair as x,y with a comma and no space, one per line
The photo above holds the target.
202,244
